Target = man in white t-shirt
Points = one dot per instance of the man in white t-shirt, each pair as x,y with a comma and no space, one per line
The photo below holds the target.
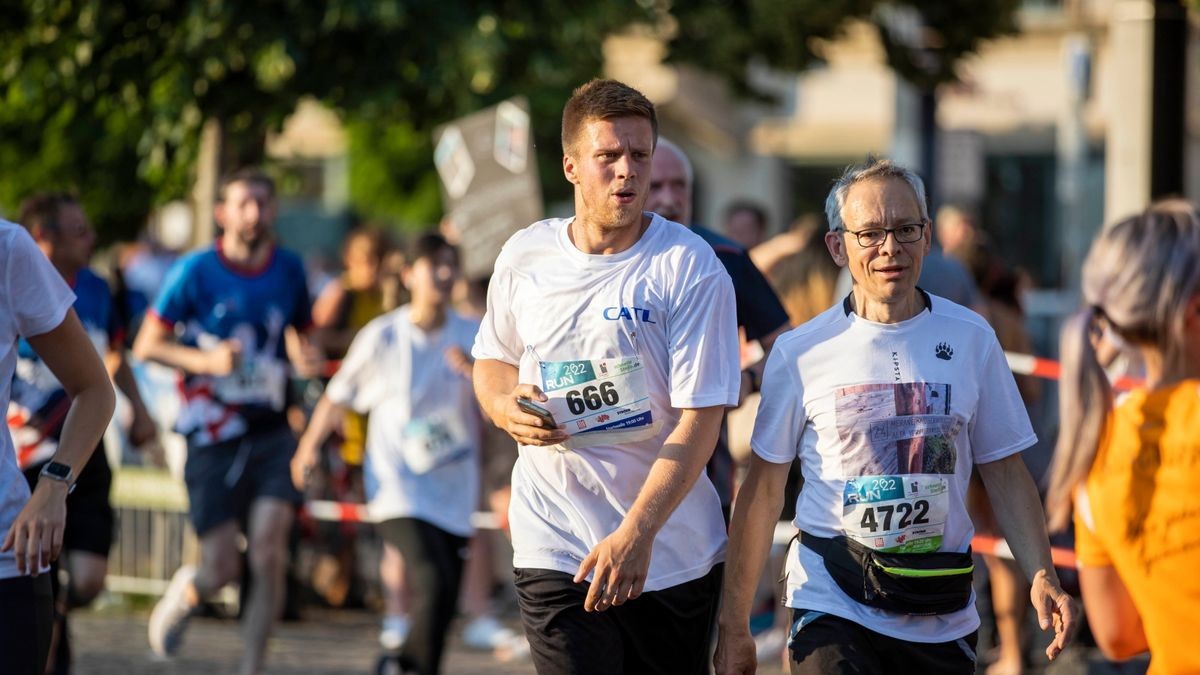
408,369
620,324
889,399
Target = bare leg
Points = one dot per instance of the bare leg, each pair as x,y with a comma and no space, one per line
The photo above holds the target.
391,576
1010,598
87,571
220,561
270,523
476,597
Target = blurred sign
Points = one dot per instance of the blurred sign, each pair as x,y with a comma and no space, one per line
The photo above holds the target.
960,165
489,180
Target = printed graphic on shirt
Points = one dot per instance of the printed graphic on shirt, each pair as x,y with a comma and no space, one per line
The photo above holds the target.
599,395
898,428
899,451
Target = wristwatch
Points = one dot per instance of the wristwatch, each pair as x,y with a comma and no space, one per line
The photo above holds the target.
59,472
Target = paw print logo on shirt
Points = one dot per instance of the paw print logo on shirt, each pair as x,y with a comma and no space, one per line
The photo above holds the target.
943,351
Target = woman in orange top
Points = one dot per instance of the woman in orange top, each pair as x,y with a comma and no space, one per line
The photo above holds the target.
1132,472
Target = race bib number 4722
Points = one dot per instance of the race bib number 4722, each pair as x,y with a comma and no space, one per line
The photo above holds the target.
598,395
901,514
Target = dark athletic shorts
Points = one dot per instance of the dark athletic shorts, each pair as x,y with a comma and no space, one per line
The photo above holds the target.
661,632
26,618
224,479
91,522
821,643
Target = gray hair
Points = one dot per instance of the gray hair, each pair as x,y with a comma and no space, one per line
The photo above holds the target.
1137,280
667,144
873,168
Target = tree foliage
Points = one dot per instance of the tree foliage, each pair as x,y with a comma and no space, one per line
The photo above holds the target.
924,41
108,97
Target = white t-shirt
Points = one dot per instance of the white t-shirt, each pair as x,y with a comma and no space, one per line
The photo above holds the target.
659,320
887,420
35,300
423,437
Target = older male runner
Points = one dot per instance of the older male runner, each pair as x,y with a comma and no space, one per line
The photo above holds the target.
889,399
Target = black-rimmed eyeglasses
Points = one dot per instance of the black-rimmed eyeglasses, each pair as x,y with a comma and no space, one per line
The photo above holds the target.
875,236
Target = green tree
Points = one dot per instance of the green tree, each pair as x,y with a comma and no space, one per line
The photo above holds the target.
108,97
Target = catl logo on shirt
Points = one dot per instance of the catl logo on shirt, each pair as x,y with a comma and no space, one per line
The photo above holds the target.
631,313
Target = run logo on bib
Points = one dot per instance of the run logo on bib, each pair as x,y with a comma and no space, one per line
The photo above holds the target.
603,395
896,514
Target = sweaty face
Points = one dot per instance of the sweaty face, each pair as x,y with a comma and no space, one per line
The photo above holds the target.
610,167
670,189
887,272
247,213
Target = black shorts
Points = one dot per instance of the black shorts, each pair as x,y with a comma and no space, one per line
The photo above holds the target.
664,631
26,618
822,643
91,522
224,479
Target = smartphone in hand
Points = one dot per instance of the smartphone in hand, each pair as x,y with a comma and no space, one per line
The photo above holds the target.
537,411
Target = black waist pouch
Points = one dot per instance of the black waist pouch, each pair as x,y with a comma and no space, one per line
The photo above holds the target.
907,583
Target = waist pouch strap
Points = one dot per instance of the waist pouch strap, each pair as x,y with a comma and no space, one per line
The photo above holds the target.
906,583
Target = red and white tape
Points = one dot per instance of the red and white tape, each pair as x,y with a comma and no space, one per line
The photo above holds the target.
1049,369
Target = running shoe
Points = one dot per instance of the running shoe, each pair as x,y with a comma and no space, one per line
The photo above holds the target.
171,614
485,633
393,632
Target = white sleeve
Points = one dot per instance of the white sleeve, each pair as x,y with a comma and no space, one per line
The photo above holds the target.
498,338
353,383
703,340
781,418
1000,426
36,293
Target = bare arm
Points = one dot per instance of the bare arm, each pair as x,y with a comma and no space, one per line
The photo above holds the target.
622,559
36,535
142,429
1114,620
751,530
324,420
1018,509
497,389
156,342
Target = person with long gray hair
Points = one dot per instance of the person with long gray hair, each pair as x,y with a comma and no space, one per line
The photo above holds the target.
1130,471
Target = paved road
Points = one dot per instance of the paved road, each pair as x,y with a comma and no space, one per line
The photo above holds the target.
327,643
113,642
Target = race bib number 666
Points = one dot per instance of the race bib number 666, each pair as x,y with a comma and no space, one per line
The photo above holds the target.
597,395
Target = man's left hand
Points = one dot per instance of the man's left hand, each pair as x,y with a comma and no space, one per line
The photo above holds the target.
1054,607
621,562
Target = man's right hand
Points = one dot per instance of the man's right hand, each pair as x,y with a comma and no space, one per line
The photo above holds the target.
224,358
735,653
525,429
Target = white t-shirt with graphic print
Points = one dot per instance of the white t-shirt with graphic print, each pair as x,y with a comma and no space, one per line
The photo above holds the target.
34,300
621,343
423,437
887,420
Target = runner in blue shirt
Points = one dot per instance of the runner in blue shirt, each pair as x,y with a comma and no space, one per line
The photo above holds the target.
229,318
